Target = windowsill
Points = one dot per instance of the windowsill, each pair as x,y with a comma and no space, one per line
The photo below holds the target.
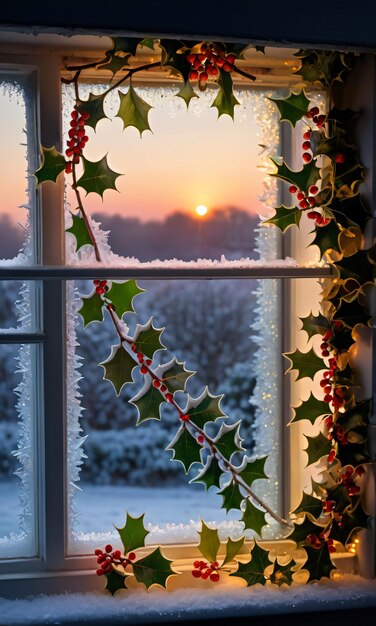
347,592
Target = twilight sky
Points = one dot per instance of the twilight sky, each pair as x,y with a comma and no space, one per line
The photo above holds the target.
190,158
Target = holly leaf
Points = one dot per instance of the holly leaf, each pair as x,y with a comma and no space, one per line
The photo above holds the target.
210,474
356,419
253,517
303,179
148,43
307,364
125,45
80,232
133,533
282,574
97,177
134,111
153,569
228,440
118,368
209,542
326,238
232,549
352,313
225,102
344,377
148,402
186,92
349,211
285,217
293,108
318,563
147,338
94,107
253,571
174,57
205,408
115,581
53,163
174,375
318,447
185,448
310,410
232,498
251,470
350,522
353,454
339,495
309,504
122,295
342,117
314,324
92,308
359,267
301,531
115,64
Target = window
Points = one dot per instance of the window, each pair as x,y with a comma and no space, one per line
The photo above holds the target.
56,439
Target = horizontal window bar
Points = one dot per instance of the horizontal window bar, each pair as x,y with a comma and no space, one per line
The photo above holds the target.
153,273
15,337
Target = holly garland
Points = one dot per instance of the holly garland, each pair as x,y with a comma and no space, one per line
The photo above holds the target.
326,192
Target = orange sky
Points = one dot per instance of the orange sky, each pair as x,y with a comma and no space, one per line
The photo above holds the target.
189,159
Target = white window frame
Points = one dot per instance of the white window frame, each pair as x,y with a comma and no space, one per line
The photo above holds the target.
53,570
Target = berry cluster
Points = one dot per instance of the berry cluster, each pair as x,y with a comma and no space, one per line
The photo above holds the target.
308,202
144,369
207,63
348,478
317,119
77,138
100,286
317,541
108,557
204,570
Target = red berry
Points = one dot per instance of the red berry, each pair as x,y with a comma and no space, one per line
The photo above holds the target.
163,388
324,345
312,200
339,158
323,382
204,77
108,548
98,552
81,144
73,124
311,215
144,369
85,138
325,221
327,389
184,418
331,456
321,119
307,135
84,115
71,133
314,111
360,470
313,190
131,556
100,291
319,220
71,143
76,159
117,554
156,383
328,335
148,361
331,549
74,114
69,152
196,564
99,572
196,573
304,204
293,189
214,577
227,67
300,195
140,357
169,397
193,75
68,168
328,398
325,353
306,157
200,439
306,145
231,58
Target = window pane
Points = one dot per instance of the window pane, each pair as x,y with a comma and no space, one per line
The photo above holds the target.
18,311
17,209
17,459
207,326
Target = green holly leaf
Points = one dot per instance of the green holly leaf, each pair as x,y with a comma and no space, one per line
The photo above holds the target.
118,368
344,377
185,448
228,440
318,563
309,504
342,117
282,574
318,447
153,569
359,267
115,64
148,402
232,498
339,495
134,111
125,45
251,470
285,217
148,43
253,517
53,163
92,308
225,102
353,454
210,474
233,548
253,571
122,295
303,179
115,581
174,375
349,211
205,408
133,533
97,177
186,92
209,542
352,313
147,338
293,108
356,419
307,364
174,57
326,238
301,531
94,107
314,324
310,410
80,232
350,522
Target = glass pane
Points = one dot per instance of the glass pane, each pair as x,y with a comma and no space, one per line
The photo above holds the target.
17,311
191,159
16,169
207,326
17,498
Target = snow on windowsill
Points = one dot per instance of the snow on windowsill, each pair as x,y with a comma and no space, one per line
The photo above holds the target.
348,592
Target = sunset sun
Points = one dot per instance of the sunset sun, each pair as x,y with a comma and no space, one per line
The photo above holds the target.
201,210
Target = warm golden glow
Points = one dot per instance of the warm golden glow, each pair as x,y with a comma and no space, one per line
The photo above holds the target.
201,210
